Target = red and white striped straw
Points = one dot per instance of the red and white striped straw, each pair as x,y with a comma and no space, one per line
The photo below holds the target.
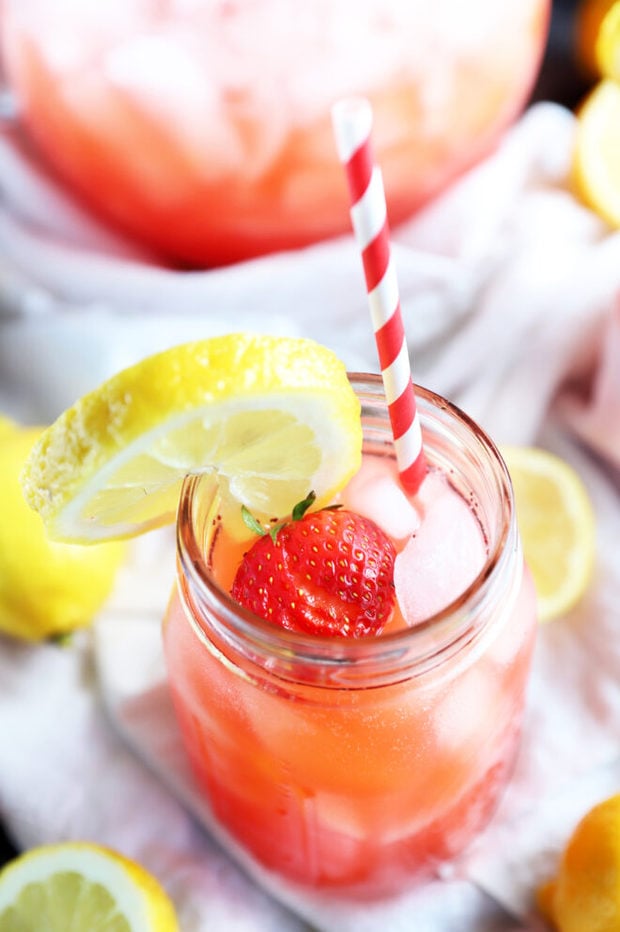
352,122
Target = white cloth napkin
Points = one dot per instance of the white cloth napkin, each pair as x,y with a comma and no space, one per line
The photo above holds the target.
509,289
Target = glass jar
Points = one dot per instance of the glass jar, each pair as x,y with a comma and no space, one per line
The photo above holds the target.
202,128
352,766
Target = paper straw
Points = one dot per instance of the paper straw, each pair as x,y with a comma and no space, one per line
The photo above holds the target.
352,121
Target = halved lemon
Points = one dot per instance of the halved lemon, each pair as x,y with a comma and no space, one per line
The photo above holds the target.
271,417
596,159
557,527
82,887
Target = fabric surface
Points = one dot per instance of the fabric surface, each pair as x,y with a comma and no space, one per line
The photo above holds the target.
509,289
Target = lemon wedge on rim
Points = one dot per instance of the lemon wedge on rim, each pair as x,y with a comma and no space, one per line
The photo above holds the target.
556,524
271,417
596,158
81,886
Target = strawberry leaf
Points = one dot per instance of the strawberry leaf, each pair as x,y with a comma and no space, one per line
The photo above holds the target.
301,507
297,514
251,523
273,531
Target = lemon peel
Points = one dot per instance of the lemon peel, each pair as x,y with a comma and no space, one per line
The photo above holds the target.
7,425
557,526
589,16
585,894
75,884
607,44
46,588
271,417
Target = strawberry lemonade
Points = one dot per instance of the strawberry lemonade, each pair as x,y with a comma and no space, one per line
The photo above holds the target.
348,673
200,127
351,765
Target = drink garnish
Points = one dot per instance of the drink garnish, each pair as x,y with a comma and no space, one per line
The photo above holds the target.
352,120
268,417
328,572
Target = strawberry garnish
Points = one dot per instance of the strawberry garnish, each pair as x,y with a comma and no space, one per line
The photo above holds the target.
324,572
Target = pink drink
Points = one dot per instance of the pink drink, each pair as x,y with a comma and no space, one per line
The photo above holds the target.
350,767
202,128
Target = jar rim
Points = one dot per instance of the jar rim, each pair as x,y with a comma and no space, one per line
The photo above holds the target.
444,631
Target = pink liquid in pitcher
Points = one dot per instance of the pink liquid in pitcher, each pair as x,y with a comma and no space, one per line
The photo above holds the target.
203,128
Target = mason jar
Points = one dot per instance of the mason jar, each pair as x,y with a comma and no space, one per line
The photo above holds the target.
355,767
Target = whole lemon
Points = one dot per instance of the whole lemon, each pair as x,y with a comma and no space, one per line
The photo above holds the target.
589,16
585,895
46,588
6,425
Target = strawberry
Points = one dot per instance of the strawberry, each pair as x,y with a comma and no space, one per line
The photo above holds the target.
325,572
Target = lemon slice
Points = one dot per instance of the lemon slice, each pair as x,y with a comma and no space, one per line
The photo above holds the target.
596,159
607,45
270,417
82,887
557,527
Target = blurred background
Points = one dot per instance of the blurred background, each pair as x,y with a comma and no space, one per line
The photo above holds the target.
562,78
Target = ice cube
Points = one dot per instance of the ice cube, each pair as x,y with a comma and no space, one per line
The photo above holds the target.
444,555
375,492
470,712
